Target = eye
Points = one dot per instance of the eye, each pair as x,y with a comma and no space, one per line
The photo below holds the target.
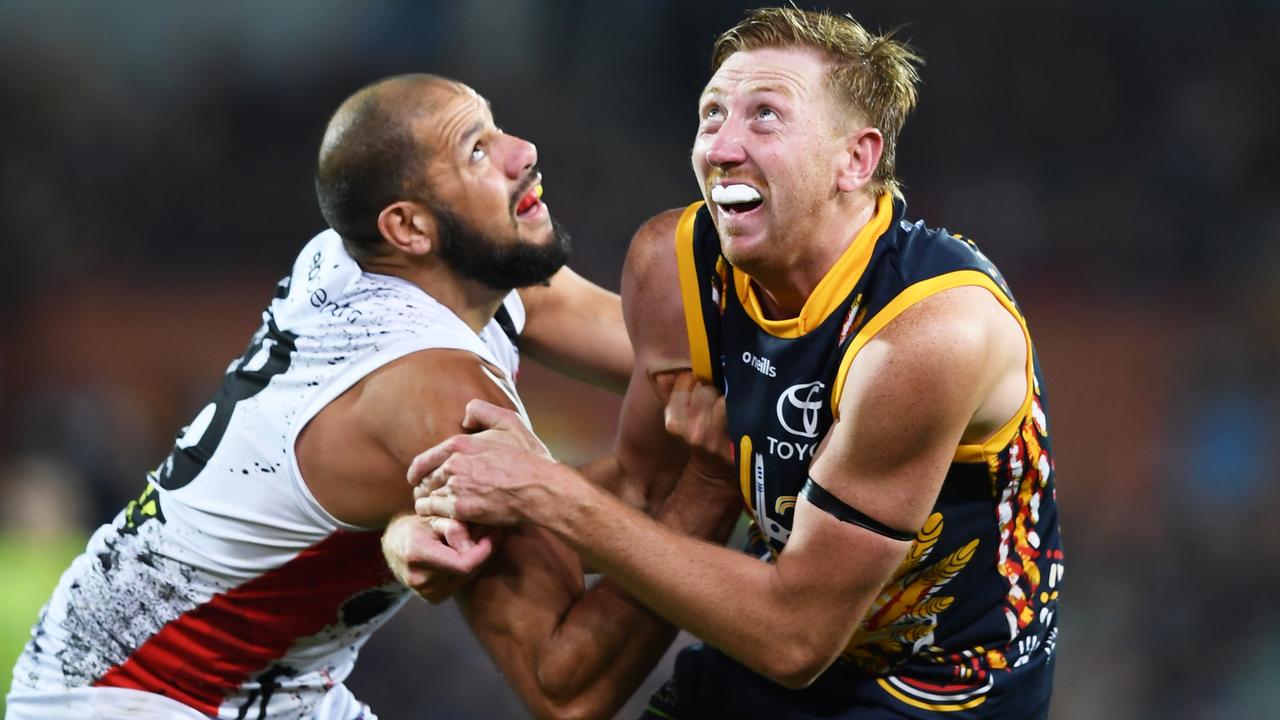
713,113
479,152
766,113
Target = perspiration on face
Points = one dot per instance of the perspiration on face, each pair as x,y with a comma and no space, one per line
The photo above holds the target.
767,121
873,75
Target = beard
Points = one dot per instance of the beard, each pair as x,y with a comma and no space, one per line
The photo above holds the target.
499,263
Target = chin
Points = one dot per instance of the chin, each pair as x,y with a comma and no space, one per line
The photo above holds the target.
744,250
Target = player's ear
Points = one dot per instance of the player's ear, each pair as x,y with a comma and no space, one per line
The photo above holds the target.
859,160
408,226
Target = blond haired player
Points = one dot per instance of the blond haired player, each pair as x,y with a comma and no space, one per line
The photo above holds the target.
883,405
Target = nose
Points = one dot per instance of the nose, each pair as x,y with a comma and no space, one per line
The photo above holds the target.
521,156
725,147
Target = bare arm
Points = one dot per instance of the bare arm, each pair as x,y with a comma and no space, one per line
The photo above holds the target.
573,652
569,651
646,460
353,454
887,456
575,327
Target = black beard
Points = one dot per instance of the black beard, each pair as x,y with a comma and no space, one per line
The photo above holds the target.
502,264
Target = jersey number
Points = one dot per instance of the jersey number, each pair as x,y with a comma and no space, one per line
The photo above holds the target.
267,356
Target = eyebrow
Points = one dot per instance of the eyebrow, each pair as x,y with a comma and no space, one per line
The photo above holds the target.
471,132
776,89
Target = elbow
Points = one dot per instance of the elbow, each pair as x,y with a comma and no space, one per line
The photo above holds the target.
562,677
799,663
795,676
568,709
562,693
558,689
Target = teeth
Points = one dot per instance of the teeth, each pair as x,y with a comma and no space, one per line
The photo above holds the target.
733,194
538,189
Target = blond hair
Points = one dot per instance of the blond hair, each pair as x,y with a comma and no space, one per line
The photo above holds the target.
874,75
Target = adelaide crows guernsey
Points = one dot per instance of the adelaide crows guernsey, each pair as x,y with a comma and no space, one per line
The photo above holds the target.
966,625
226,590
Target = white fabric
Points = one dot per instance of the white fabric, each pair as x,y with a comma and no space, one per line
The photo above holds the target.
249,511
99,703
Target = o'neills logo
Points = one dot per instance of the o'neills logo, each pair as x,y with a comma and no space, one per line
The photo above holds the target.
763,365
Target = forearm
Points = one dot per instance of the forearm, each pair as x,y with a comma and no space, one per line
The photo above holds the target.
750,610
609,474
575,328
567,651
608,640
605,646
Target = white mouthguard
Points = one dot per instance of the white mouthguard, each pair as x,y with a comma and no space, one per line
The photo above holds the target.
733,194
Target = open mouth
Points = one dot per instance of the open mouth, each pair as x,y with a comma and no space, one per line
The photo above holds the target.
736,199
530,203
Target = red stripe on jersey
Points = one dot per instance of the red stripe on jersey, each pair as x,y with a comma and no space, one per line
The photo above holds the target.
932,687
214,648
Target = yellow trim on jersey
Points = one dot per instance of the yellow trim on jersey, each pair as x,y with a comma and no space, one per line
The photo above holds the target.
699,352
936,707
973,453
834,287
744,469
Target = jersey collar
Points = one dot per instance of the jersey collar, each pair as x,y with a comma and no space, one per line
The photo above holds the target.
834,287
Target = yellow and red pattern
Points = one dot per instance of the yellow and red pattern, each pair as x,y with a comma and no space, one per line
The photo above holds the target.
905,614
1029,468
901,625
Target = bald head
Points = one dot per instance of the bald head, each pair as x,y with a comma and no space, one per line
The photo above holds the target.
370,156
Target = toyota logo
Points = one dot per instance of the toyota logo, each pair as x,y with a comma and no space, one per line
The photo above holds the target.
807,398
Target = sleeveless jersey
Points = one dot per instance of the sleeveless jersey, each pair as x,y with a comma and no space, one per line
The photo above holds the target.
226,586
966,626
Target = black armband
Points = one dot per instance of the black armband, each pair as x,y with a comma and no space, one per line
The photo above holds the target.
837,508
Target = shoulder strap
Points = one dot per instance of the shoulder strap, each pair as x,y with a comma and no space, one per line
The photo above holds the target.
503,318
701,309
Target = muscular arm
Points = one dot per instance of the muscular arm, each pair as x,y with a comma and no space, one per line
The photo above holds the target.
575,327
568,651
910,396
353,454
573,652
646,460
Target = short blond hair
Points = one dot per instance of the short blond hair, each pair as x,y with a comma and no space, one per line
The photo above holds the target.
874,75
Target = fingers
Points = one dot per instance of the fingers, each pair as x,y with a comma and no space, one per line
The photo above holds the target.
433,569
682,411
481,415
664,382
695,413
426,462
493,425
441,586
437,503
455,533
473,557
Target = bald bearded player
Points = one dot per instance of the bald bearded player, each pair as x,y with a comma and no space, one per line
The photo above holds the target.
245,578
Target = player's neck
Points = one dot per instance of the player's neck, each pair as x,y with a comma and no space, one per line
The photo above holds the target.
784,287
473,302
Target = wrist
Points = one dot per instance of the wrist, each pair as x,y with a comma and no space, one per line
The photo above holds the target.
579,510
706,507
558,497
714,471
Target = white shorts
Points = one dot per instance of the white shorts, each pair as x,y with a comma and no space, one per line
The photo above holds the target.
109,703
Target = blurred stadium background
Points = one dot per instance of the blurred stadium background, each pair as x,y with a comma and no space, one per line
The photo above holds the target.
1119,160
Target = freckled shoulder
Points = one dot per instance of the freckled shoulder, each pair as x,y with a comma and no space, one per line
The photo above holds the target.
651,302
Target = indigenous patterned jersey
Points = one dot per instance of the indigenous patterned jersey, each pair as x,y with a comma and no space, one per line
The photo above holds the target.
225,585
967,623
